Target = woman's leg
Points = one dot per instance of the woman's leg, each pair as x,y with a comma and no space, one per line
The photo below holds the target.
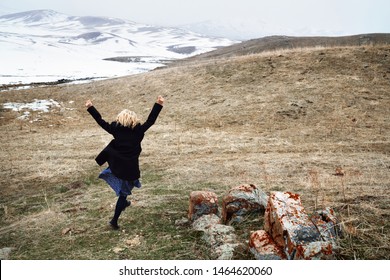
121,204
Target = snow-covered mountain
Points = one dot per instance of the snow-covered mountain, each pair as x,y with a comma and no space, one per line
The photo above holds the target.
44,45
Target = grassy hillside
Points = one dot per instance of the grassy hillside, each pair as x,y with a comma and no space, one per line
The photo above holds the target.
274,43
282,120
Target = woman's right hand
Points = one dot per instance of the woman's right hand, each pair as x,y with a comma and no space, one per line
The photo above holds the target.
160,100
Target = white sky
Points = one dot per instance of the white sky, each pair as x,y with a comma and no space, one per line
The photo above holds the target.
336,16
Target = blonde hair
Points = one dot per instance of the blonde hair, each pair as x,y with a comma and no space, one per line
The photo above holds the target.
127,118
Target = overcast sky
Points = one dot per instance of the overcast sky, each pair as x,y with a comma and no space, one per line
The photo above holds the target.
338,17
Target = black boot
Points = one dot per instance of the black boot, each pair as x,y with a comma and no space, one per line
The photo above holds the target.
128,203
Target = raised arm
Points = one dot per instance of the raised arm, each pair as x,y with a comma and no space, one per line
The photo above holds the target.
98,118
157,107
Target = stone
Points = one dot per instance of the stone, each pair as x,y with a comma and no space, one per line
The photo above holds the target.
205,222
225,251
66,230
242,200
204,215
327,224
281,209
117,250
202,203
291,228
318,250
5,253
218,234
221,238
262,246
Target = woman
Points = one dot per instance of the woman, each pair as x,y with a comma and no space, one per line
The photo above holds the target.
122,153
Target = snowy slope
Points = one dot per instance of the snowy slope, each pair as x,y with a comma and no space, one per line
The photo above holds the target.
43,46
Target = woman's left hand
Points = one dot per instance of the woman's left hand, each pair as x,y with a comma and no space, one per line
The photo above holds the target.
88,103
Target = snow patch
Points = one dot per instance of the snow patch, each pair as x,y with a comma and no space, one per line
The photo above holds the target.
36,105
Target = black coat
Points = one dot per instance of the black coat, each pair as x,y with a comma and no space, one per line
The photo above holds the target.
123,151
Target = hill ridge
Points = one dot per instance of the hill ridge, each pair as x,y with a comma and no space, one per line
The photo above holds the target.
280,42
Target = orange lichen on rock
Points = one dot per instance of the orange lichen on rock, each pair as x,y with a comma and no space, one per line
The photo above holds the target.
242,200
263,247
202,203
291,228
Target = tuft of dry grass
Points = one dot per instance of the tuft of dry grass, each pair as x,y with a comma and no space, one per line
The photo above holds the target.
283,120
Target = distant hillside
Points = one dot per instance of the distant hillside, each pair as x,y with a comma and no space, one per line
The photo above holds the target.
273,43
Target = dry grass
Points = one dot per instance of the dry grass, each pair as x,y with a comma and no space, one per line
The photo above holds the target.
283,120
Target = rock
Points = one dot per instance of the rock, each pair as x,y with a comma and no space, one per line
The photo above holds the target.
5,252
218,234
205,222
72,230
291,229
66,230
289,232
242,200
225,251
182,222
327,224
118,250
222,239
262,246
202,203
318,250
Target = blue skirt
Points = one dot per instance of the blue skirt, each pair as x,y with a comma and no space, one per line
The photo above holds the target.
121,187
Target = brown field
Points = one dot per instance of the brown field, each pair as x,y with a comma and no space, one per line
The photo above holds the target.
282,120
